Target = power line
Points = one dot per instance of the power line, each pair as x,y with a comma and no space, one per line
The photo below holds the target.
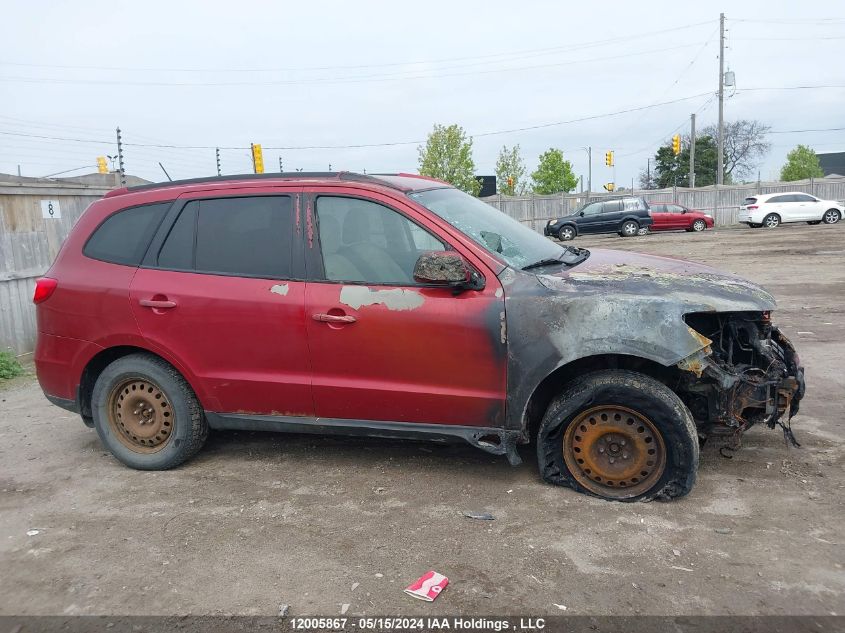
821,129
566,48
375,78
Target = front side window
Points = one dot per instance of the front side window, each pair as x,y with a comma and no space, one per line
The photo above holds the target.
249,237
363,241
593,209
803,197
492,230
674,208
123,237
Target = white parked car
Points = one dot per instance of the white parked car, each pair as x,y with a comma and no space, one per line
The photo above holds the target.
772,209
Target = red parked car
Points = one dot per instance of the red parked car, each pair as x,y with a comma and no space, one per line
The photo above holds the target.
669,216
398,306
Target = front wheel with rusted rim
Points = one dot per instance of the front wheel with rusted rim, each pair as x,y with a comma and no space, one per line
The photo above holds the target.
146,413
619,435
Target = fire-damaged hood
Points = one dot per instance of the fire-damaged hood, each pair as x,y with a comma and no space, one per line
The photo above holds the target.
613,303
698,287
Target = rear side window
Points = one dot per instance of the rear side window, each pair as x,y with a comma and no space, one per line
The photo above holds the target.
612,207
750,201
249,237
124,236
777,199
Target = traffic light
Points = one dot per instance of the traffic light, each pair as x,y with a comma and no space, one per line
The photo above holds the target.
610,186
102,165
676,144
257,159
608,158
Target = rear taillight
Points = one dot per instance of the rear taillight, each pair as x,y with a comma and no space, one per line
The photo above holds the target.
44,287
751,207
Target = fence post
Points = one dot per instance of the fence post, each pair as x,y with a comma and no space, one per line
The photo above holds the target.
812,185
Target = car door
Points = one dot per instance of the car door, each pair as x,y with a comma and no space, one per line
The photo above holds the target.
222,290
785,206
384,347
678,217
661,217
588,219
809,207
611,216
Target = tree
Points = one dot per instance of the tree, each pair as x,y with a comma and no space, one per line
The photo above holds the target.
745,145
554,174
510,171
668,167
447,155
801,163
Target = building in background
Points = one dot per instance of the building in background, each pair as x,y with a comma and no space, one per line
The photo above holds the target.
833,163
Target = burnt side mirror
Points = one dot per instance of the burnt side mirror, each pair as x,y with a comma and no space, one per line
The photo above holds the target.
446,268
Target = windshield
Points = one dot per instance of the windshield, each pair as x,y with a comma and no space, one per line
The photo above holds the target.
488,227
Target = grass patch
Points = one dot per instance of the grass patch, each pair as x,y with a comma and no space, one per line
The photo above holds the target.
9,366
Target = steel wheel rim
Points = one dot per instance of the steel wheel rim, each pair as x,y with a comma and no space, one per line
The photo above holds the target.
698,225
140,415
614,451
831,217
771,222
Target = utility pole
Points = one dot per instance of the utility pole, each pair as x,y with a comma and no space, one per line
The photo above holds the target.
720,141
648,173
217,152
120,159
692,151
589,170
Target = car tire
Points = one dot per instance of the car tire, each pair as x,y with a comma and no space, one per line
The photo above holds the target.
814,222
566,233
146,413
771,221
831,216
629,228
699,225
619,435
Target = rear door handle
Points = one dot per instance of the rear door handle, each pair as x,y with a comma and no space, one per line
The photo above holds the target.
157,303
333,318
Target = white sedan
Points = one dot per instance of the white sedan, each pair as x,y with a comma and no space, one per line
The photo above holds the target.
772,209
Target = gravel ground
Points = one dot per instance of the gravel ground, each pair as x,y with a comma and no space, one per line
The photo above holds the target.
257,520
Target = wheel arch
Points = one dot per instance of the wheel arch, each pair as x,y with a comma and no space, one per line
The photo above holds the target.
105,357
555,381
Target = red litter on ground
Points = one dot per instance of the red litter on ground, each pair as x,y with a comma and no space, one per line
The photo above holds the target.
428,587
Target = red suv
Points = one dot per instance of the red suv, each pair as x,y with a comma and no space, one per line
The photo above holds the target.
397,306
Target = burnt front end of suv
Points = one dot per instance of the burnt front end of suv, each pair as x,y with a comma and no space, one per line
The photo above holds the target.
747,373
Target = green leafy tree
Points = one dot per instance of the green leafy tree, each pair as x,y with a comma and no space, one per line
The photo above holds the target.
510,172
554,174
668,167
447,155
801,163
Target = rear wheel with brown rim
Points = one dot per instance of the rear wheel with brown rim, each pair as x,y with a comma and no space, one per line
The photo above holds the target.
146,413
619,435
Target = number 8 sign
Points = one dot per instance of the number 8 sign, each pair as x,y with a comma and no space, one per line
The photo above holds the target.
50,209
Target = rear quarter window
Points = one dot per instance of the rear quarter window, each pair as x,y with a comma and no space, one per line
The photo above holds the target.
123,237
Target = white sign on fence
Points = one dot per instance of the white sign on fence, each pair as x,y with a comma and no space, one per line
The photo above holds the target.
50,209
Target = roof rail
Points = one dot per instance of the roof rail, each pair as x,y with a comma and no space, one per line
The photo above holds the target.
292,175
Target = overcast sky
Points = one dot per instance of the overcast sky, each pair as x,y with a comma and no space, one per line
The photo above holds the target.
328,73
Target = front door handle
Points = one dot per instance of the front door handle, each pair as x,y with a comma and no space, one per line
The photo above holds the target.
158,304
333,318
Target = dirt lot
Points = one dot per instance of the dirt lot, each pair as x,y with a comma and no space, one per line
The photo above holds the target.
257,520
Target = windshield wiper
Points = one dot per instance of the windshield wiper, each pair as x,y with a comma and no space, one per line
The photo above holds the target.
549,261
579,255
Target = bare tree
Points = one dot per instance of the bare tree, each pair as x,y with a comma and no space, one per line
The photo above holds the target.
745,146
